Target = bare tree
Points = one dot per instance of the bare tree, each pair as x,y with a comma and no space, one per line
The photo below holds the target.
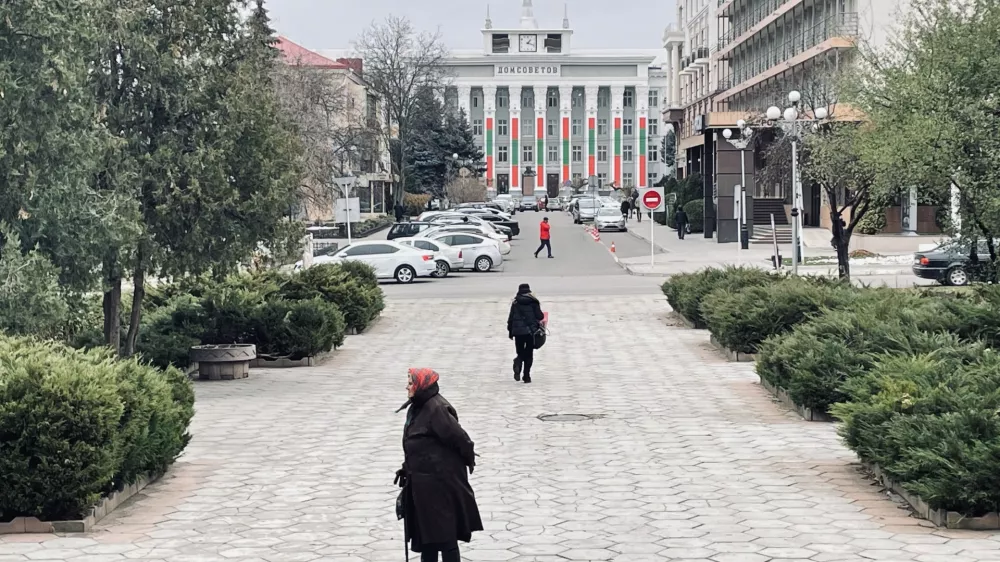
331,112
399,63
465,189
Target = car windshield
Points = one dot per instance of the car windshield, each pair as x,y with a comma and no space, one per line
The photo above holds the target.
588,204
608,212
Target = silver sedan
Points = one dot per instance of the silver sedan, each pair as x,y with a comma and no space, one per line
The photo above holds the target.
610,219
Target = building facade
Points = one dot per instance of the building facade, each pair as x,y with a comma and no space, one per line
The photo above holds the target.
731,60
546,114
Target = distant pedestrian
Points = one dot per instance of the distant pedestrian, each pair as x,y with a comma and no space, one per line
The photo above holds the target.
523,321
626,209
681,222
543,235
399,212
438,504
634,199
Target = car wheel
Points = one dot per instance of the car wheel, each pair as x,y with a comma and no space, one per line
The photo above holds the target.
957,277
405,274
443,269
483,264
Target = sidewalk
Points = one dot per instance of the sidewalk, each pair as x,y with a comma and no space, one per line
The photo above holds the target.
696,252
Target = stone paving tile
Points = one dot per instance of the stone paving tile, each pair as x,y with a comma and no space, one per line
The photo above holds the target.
691,460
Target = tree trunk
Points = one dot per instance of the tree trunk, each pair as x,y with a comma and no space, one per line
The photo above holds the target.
843,259
135,318
112,304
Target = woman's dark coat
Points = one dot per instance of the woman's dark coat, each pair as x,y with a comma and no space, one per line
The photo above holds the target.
525,315
440,506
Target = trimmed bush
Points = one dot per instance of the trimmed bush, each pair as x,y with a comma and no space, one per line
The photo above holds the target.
742,319
814,360
76,425
415,203
686,291
930,422
297,329
168,332
696,215
350,286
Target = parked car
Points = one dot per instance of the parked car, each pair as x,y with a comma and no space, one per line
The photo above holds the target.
408,229
554,204
390,259
478,230
948,264
446,257
481,254
499,221
529,203
585,209
609,219
506,202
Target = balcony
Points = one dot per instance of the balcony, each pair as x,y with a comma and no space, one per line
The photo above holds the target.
748,20
833,32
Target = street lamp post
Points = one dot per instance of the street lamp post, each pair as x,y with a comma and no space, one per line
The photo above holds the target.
345,183
793,126
741,198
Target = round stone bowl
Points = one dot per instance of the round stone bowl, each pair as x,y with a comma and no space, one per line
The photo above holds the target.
223,362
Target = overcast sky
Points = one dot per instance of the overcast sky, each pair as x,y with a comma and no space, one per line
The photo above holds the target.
597,24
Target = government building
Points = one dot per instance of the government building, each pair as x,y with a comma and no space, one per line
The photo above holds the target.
545,113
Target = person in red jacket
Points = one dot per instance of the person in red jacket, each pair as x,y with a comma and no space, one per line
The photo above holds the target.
543,234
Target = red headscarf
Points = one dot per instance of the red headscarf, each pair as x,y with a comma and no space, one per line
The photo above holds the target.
423,378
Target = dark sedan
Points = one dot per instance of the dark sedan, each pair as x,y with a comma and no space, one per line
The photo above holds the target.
496,220
408,229
949,264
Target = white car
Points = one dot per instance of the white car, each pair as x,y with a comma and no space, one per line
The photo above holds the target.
507,201
390,259
446,257
485,230
610,219
473,211
481,254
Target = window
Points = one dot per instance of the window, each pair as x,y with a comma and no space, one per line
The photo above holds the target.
553,43
465,240
528,154
651,178
502,127
502,99
527,128
501,154
475,101
627,153
627,179
501,43
577,127
477,127
603,99
577,99
654,153
602,126
553,153
550,128
627,127
577,153
426,245
355,251
602,153
602,178
654,98
527,99
377,249
628,99
553,99
654,127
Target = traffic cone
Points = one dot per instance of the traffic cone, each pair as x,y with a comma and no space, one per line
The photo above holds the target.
612,247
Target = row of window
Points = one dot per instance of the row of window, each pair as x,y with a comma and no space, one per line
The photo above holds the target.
528,153
603,99
503,129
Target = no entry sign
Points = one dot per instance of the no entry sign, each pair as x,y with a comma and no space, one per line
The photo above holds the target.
652,200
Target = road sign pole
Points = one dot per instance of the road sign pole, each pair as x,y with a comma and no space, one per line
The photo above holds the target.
652,244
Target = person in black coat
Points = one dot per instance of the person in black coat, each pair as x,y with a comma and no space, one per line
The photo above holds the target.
523,321
680,221
399,212
439,505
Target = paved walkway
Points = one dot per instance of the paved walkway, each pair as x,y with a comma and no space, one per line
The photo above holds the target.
689,461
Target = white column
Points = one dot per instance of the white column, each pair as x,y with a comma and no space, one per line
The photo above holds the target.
541,142
590,103
565,140
641,139
617,111
464,96
514,152
490,134
675,62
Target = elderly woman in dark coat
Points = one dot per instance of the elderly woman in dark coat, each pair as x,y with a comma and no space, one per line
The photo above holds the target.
439,505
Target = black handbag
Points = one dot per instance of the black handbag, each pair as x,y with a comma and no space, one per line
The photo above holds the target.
538,333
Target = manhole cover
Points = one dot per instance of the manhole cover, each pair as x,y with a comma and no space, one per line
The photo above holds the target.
569,417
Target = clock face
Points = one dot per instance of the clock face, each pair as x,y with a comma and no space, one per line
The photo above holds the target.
529,43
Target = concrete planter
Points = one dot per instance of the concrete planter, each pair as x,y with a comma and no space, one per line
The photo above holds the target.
684,320
286,363
940,517
30,525
807,414
735,356
223,362
356,332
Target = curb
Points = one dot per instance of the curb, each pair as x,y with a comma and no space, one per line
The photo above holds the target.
646,240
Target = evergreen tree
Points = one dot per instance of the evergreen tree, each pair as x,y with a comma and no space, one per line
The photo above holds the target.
459,138
426,159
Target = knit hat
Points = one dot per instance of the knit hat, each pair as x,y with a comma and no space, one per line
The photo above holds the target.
523,288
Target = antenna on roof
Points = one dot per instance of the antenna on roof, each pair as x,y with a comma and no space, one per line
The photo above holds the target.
489,22
566,15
